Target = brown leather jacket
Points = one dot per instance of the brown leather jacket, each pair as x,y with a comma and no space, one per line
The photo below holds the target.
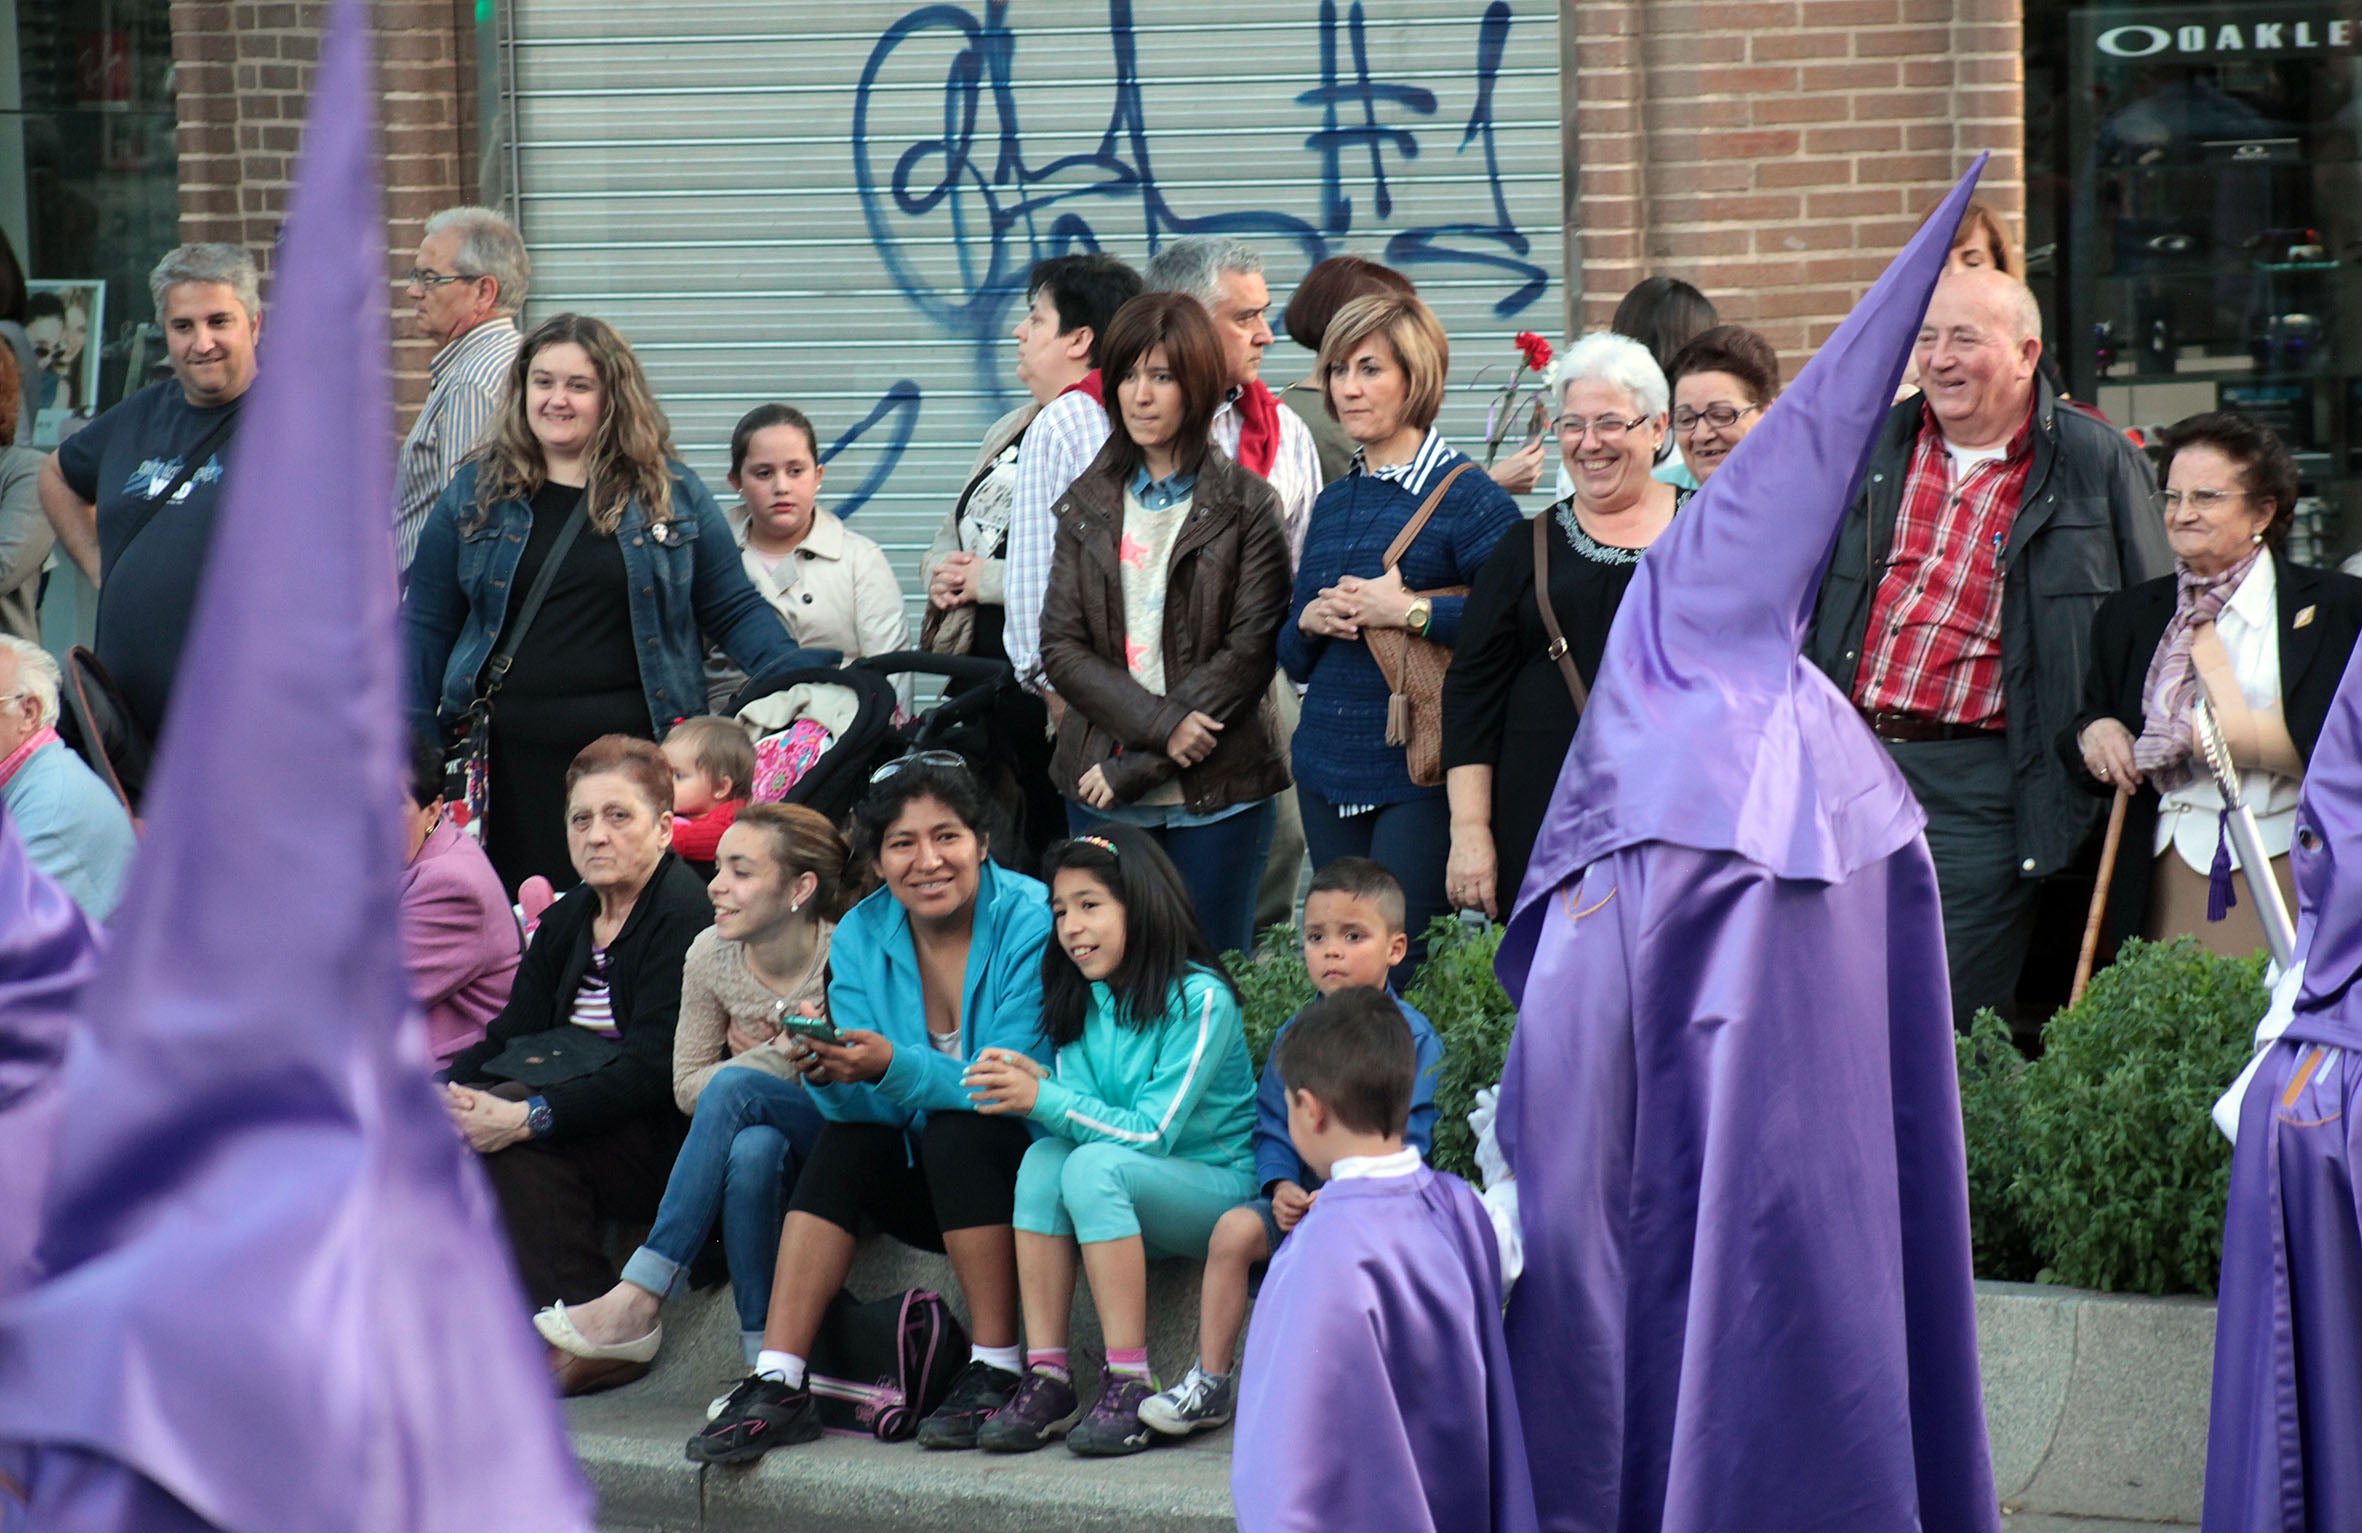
1227,595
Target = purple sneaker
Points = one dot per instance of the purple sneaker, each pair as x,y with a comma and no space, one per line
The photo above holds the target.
1044,1407
1114,1426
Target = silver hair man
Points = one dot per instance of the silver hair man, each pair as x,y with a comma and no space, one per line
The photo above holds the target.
228,265
37,677
488,246
1195,266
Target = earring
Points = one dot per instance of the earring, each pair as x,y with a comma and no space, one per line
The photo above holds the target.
2258,538
794,905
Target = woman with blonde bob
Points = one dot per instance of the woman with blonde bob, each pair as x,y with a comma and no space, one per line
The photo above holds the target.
1383,360
580,469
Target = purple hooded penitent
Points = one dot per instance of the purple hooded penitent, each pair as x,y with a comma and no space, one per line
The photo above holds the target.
274,1298
47,953
2281,1454
1730,1104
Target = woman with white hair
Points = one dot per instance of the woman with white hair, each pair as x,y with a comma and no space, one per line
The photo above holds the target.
1509,714
72,825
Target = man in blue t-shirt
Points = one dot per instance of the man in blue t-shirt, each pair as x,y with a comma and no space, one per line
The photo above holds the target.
132,494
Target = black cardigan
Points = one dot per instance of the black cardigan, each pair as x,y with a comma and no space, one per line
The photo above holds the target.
2124,638
644,980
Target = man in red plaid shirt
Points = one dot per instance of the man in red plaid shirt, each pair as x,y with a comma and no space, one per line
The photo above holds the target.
1957,610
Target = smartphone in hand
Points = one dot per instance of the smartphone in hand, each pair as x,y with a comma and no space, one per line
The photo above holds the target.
818,1029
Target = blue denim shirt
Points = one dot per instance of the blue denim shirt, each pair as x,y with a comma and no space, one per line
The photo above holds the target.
685,578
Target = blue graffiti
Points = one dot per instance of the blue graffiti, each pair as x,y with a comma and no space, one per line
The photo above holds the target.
972,188
900,405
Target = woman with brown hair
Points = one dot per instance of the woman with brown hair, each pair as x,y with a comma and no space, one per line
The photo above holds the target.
578,501
1167,586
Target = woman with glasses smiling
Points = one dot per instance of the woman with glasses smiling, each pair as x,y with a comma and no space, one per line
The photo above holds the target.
1508,713
2263,640
1723,381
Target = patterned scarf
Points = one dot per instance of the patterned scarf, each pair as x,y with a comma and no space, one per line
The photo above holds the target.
2167,750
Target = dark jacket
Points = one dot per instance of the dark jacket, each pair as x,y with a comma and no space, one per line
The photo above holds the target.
1226,595
2084,530
644,983
2124,638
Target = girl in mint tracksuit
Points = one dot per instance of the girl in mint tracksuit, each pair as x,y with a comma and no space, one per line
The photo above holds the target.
1148,1116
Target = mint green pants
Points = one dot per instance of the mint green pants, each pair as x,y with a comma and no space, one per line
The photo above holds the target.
1102,1191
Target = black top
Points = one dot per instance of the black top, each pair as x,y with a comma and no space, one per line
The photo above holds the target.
644,985
148,586
2124,639
1505,704
582,640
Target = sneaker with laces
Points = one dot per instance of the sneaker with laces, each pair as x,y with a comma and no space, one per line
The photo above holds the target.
1114,1426
977,1391
1199,1403
760,1414
1045,1406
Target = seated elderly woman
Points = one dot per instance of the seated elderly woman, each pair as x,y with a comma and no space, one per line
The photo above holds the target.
2263,639
1723,381
569,1098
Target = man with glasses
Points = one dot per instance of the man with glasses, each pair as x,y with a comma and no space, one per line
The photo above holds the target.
467,288
72,827
1957,611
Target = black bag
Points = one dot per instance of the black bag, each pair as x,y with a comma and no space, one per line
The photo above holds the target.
467,766
93,719
878,1368
553,1055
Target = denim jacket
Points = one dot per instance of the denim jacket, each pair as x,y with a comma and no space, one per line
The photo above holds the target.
685,577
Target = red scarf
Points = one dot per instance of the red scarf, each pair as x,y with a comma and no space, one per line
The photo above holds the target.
1089,384
1258,419
23,753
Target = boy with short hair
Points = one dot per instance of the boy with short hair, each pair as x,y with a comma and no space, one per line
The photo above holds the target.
1353,935
713,762
1377,1389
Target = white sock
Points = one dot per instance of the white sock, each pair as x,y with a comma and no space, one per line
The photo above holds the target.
786,1367
1007,1359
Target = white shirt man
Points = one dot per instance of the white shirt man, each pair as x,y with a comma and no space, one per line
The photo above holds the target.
467,286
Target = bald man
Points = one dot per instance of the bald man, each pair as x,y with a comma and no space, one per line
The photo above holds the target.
1993,520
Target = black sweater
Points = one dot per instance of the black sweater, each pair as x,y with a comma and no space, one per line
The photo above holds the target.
644,979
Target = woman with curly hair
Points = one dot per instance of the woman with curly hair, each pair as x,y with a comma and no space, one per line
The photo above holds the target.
578,496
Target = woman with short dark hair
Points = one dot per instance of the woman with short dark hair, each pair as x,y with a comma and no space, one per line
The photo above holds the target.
1723,381
2262,639
1166,589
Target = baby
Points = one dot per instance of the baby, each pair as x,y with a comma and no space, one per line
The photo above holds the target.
713,762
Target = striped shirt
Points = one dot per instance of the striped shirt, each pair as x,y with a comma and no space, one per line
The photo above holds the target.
594,1002
469,377
1414,472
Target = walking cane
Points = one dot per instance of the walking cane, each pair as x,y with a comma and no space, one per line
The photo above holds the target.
2099,894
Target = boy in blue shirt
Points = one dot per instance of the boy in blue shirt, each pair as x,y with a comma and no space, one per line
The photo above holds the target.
1353,934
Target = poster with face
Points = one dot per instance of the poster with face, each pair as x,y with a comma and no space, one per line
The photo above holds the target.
63,319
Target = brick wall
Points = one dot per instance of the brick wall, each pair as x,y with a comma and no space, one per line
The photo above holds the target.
1777,152
242,72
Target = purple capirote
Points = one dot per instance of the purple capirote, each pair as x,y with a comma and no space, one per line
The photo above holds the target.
2287,1407
275,1297
48,952
1730,1103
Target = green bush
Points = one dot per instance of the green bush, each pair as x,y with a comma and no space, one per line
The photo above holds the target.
1992,1100
1454,987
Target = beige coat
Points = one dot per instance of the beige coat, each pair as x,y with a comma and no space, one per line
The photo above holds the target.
953,632
836,591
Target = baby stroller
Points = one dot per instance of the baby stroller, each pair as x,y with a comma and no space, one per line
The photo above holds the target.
842,726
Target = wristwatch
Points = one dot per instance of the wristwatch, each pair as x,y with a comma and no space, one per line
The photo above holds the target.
539,1120
1415,621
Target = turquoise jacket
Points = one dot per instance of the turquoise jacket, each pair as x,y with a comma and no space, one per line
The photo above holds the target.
1182,1087
874,984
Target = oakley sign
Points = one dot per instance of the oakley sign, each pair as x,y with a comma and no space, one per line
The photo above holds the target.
2213,38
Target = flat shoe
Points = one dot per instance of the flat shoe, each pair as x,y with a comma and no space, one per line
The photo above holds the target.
588,1376
557,1328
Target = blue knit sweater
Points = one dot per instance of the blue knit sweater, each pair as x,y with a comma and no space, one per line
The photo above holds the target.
1340,750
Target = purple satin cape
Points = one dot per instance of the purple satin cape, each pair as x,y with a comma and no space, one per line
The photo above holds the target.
1375,1393
274,1297
1735,1128
48,951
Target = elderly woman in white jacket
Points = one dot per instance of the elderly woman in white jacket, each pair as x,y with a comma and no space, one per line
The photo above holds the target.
833,585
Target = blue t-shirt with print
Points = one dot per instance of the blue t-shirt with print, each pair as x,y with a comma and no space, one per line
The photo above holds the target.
148,584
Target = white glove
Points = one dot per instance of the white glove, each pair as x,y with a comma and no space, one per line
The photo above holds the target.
1500,1201
1491,1164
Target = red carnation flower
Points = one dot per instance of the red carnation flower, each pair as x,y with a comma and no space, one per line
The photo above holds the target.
1536,349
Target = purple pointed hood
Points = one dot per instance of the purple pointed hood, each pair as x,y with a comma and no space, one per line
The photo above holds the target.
275,1286
1707,727
47,953
2329,897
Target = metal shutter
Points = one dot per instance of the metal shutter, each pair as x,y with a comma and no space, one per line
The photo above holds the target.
836,204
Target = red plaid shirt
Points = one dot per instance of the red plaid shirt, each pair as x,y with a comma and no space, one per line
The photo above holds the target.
1933,649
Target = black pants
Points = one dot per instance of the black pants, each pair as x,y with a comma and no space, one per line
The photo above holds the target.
959,1173
1970,798
555,1196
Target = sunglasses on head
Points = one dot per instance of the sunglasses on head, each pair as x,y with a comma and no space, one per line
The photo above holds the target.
950,759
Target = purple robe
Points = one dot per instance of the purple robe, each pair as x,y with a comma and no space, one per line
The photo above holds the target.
47,953
1375,1393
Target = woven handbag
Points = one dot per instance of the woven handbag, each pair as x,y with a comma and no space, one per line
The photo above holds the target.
1414,667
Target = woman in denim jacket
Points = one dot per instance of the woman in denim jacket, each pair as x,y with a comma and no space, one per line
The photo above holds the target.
615,647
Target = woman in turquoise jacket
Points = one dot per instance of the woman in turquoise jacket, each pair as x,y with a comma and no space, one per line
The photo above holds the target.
1150,1119
939,966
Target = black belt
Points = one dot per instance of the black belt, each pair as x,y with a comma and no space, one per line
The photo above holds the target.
1910,729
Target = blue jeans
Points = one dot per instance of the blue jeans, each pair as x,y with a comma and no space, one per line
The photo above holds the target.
1412,840
1221,865
750,1130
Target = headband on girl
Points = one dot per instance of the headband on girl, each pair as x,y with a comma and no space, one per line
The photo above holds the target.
1100,842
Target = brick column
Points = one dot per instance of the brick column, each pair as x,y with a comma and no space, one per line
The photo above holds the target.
1777,152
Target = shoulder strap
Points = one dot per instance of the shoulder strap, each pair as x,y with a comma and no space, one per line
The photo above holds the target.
496,669
1557,651
1418,522
198,456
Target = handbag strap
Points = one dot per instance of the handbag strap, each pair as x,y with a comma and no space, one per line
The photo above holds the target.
1557,650
496,669
1418,522
198,457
